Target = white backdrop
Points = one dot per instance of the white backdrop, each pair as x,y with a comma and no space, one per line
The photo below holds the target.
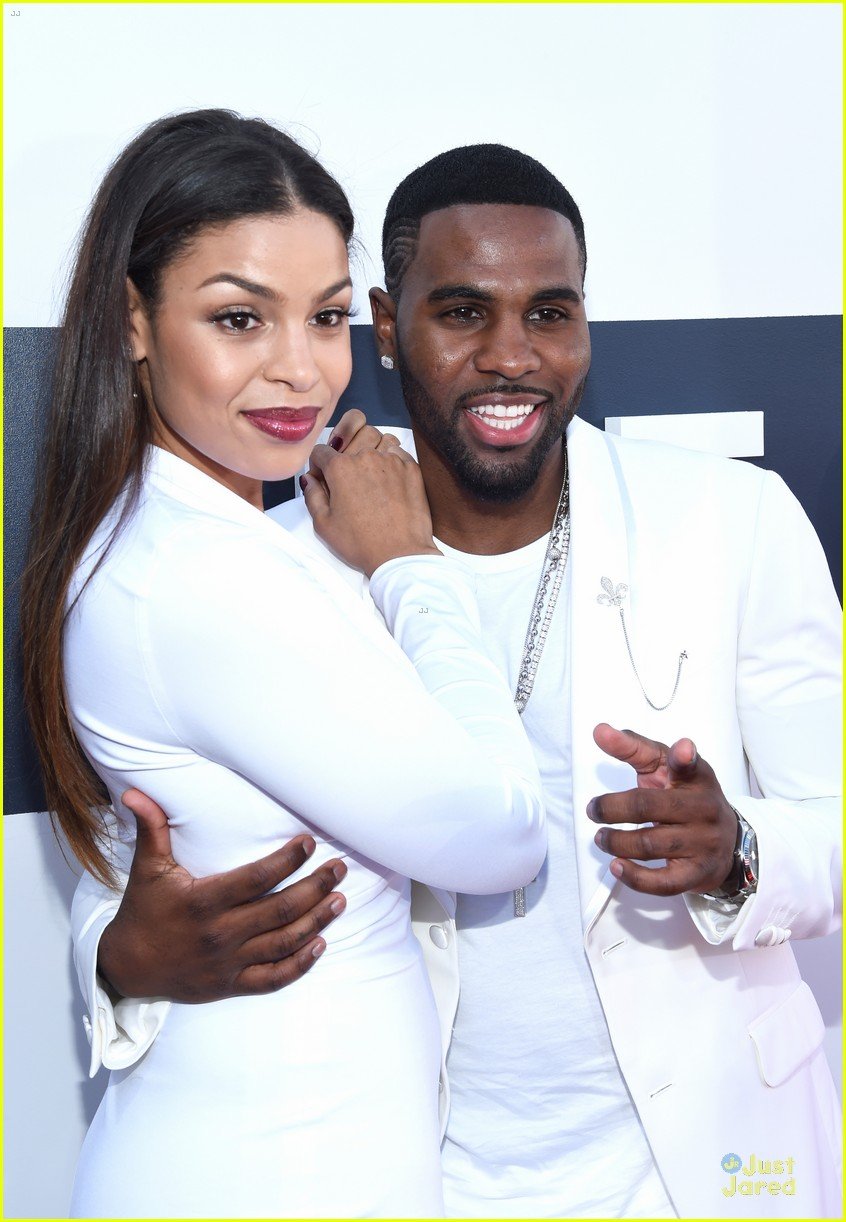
702,143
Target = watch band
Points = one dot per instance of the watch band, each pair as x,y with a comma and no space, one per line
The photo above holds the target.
743,880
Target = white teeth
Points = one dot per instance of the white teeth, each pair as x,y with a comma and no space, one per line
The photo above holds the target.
492,413
507,425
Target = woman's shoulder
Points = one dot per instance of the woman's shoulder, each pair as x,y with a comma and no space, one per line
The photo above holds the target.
166,538
239,564
190,543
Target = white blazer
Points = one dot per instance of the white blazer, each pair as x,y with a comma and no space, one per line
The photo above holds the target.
717,1037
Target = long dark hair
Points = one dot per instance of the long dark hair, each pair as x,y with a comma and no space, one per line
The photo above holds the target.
180,174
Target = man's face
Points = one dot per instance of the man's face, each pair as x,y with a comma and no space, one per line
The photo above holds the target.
492,342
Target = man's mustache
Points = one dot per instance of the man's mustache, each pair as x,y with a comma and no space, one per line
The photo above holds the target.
503,388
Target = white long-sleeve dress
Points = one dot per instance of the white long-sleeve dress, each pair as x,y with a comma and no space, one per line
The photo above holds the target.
217,665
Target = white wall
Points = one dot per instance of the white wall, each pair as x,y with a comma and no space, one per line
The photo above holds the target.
702,142
49,1100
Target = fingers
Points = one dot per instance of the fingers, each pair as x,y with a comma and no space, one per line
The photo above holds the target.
689,823
320,459
352,434
674,878
365,438
289,947
324,457
316,496
656,764
645,844
393,445
318,483
694,855
270,977
387,441
280,943
351,423
254,880
283,908
643,754
153,832
684,762
640,806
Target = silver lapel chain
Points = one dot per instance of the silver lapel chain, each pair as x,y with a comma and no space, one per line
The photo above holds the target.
613,597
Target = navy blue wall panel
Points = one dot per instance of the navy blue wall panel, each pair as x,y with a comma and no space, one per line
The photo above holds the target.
789,368
27,355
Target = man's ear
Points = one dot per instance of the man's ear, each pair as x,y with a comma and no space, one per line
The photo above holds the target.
139,322
384,310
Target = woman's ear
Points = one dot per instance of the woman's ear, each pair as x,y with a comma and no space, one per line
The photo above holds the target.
139,322
384,312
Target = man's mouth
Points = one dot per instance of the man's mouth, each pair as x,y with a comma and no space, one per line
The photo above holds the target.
501,420
502,416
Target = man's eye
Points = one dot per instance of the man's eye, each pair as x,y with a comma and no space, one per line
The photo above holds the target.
463,314
238,320
548,314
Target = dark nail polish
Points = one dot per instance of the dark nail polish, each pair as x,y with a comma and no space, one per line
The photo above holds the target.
303,482
336,443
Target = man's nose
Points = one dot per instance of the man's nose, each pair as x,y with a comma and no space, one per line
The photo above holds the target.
507,349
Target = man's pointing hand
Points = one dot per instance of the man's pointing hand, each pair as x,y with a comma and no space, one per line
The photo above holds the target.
683,815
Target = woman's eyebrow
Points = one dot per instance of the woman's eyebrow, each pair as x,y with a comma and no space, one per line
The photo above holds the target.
262,290
249,286
346,283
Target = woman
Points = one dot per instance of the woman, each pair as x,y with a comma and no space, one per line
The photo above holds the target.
178,640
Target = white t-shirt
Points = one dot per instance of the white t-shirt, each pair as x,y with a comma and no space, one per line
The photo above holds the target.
541,1123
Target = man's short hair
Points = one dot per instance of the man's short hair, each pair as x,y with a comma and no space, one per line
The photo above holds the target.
474,174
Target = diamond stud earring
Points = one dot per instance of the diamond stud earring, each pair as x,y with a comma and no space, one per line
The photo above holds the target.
387,361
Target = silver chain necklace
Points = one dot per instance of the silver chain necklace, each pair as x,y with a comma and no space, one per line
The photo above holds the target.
540,618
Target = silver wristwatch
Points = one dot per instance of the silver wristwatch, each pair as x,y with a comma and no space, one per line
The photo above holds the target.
743,880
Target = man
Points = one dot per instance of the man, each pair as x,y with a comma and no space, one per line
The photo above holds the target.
631,1039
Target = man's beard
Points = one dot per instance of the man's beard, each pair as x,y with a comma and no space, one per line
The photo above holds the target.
510,476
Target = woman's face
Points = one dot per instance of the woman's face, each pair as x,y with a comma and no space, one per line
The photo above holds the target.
248,350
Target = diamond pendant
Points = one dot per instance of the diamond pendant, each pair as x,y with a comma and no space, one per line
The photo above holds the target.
520,902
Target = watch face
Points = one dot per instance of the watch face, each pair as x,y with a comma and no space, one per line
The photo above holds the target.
749,855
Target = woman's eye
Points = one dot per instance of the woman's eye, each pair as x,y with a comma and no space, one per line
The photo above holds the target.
237,320
331,318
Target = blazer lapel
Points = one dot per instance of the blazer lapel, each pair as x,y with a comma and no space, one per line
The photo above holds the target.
599,558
